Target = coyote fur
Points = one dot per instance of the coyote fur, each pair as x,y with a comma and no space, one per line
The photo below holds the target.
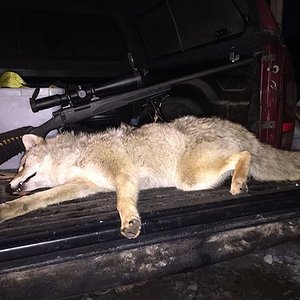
189,153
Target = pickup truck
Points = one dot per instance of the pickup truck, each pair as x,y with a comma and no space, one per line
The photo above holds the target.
76,247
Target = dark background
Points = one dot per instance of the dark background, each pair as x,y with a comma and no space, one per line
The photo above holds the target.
291,33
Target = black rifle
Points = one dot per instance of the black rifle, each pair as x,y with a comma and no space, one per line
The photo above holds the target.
85,103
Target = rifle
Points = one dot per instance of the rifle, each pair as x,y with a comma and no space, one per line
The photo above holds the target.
85,103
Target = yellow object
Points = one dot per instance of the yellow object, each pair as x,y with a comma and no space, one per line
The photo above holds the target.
10,79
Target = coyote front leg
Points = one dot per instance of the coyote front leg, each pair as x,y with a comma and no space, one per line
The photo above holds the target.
127,194
65,192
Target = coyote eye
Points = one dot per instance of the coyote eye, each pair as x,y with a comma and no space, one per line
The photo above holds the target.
28,178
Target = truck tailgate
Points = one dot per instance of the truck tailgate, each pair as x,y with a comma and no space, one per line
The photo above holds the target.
75,247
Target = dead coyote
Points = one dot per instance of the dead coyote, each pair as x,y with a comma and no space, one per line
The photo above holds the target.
188,153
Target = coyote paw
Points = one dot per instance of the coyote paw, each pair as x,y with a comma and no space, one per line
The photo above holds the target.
238,188
132,229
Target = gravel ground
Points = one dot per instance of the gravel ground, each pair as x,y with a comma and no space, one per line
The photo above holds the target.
270,274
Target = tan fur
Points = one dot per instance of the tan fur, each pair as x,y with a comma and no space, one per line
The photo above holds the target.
189,153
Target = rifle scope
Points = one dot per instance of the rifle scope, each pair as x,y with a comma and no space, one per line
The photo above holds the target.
84,95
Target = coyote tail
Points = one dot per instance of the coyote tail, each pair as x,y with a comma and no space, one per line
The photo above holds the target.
270,164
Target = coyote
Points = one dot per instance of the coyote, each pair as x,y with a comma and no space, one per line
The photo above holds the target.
189,153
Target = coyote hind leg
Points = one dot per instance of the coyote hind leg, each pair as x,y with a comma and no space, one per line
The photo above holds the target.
241,163
195,175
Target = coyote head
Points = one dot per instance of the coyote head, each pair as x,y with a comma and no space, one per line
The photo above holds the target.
35,167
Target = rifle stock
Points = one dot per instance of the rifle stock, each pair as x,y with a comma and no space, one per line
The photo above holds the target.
11,141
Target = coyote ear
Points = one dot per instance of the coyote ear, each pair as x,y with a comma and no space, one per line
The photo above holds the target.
31,140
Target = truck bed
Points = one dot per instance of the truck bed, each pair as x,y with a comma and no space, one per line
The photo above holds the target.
75,247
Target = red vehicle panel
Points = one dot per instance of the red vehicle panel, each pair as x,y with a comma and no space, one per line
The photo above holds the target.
278,87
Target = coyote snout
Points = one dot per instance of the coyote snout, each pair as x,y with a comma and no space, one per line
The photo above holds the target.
189,153
18,186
